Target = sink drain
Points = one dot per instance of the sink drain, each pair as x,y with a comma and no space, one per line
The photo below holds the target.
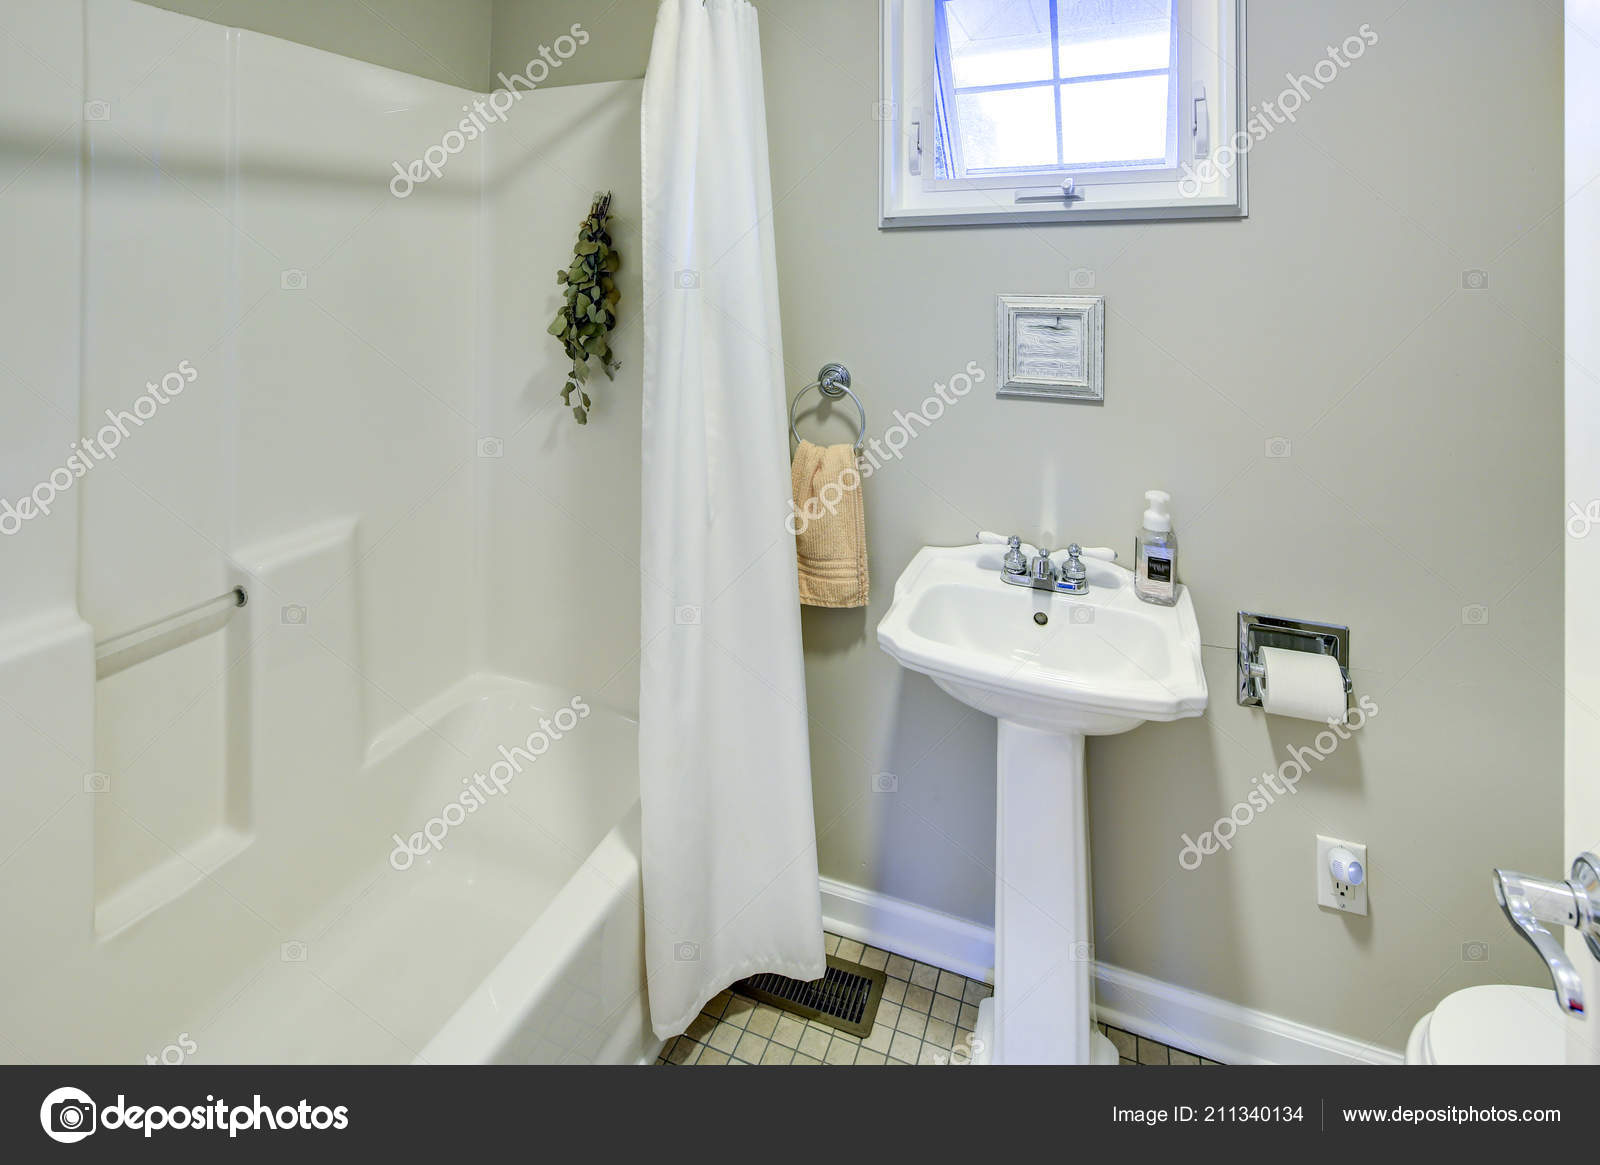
1041,618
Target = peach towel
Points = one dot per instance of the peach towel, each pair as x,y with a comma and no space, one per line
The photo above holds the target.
830,526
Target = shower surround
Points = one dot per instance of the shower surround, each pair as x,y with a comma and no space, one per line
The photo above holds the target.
263,845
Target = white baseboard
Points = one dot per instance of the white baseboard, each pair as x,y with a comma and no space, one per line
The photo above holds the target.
1220,1030
916,932
1202,1024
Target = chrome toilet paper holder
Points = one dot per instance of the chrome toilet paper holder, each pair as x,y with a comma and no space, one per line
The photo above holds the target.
1258,631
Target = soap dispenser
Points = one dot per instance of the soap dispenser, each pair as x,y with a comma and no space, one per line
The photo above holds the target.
1155,553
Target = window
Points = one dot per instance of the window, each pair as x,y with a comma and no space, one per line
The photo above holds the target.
1059,110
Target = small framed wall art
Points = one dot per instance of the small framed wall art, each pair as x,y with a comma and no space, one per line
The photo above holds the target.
1052,347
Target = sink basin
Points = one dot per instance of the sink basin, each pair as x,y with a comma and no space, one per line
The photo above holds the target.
1100,664
1052,668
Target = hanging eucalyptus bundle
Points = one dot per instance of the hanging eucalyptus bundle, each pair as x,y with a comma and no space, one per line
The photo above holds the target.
584,322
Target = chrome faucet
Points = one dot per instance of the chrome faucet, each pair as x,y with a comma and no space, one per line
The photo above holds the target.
1016,562
1042,574
1074,575
1531,902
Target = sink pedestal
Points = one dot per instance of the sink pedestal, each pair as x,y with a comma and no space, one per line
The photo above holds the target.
1052,669
1042,1009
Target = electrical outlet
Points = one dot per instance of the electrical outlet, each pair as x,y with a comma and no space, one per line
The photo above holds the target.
1332,893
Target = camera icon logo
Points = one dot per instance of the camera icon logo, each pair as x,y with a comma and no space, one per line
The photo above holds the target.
686,952
97,111
294,615
883,111
686,616
1081,279
686,280
293,279
1279,447
1475,615
1475,280
67,1115
97,782
885,783
1475,952
491,447
292,952
1082,615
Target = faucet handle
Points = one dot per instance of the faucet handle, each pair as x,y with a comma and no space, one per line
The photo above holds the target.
1016,562
1530,902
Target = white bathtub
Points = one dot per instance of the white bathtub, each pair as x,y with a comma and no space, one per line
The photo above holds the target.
517,938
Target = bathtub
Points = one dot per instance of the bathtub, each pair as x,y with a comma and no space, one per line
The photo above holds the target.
510,932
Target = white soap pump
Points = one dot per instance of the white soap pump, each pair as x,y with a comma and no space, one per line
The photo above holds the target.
1155,553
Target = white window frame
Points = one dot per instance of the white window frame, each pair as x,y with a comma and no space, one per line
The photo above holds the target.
1212,63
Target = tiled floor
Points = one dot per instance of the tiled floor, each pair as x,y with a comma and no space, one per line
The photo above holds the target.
926,1017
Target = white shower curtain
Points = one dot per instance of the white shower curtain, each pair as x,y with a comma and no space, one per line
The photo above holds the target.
730,862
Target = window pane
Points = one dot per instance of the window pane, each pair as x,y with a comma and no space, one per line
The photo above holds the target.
1007,128
998,42
1114,121
1114,36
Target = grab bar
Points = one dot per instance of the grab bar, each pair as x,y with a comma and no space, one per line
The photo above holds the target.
121,652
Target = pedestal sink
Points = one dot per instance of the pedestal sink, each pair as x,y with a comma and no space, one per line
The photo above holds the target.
1052,668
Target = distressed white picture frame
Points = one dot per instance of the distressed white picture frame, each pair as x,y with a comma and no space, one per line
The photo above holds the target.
1052,347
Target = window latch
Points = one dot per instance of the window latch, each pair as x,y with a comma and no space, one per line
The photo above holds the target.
1202,123
1067,192
916,148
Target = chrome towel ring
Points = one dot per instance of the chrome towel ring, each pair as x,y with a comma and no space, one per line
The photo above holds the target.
833,381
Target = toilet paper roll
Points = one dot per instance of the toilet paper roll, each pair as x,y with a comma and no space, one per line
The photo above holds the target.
1303,684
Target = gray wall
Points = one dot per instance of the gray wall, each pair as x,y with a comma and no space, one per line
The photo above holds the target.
447,40
1424,478
620,32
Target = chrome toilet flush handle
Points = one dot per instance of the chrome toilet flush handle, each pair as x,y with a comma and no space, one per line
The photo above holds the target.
1531,903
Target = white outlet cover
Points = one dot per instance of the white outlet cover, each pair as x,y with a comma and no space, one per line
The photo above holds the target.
1337,895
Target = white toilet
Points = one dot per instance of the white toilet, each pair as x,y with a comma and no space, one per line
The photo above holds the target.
1491,1025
